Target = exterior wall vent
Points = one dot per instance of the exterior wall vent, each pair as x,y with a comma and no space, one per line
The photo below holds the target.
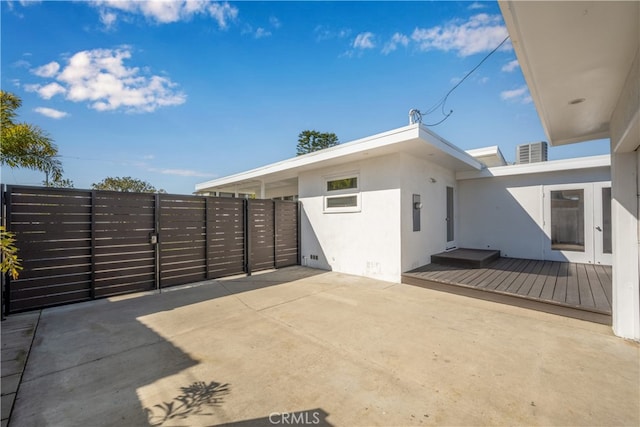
531,153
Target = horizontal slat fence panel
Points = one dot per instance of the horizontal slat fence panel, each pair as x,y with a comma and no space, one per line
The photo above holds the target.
225,237
261,232
78,245
47,223
124,258
286,233
182,239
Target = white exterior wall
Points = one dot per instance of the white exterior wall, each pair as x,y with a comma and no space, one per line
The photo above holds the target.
417,177
506,212
365,243
625,171
290,190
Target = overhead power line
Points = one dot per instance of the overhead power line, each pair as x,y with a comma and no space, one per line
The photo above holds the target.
441,103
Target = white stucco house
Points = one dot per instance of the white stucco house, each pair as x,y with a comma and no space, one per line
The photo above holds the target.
382,205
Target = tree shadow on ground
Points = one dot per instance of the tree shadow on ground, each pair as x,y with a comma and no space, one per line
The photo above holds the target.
195,399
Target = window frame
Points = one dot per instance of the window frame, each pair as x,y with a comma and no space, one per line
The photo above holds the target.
346,192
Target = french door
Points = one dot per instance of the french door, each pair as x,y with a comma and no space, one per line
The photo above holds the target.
577,222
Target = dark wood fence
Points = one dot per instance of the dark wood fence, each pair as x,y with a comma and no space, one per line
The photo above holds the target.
78,245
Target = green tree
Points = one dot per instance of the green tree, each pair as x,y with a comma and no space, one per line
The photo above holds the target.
58,183
126,184
312,140
23,145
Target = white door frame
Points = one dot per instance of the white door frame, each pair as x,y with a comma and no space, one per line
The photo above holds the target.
598,224
593,225
450,220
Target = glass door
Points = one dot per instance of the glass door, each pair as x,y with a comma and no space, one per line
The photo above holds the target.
602,223
450,218
577,222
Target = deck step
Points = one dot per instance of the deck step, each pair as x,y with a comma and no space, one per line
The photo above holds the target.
467,258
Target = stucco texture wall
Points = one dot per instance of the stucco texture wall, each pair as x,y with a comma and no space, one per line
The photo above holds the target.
365,243
506,213
430,181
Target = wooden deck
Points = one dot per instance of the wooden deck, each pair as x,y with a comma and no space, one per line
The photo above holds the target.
582,291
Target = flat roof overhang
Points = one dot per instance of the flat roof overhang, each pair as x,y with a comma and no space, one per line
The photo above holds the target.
415,140
575,57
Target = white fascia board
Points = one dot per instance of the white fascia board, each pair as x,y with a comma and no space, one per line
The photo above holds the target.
539,167
307,160
494,150
513,28
448,148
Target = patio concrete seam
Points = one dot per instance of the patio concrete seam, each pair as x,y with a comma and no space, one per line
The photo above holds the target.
108,356
26,360
299,298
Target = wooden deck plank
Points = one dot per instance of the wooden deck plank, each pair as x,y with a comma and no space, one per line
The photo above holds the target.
553,281
519,301
485,279
605,281
538,283
514,285
599,295
474,274
445,271
586,298
529,281
573,292
503,282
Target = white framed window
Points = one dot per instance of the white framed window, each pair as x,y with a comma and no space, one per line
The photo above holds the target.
342,193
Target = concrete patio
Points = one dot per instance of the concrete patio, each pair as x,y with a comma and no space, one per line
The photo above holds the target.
321,348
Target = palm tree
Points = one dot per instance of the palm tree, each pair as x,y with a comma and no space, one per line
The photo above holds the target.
23,145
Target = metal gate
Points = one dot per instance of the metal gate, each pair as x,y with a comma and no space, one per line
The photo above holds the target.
78,245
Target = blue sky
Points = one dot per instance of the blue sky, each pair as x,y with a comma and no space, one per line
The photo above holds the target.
180,92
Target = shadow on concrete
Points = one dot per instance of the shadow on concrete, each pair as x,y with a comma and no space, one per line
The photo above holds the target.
92,362
198,398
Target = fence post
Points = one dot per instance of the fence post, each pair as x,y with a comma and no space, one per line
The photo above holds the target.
156,222
206,237
298,228
275,233
2,276
6,289
93,245
247,238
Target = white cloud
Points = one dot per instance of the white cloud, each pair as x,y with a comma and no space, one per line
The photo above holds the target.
47,70
510,66
47,91
520,94
181,172
261,33
275,22
364,41
21,63
481,33
50,112
323,33
476,5
396,39
101,78
166,11
108,18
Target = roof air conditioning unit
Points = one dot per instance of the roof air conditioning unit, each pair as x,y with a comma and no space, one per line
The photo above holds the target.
531,153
